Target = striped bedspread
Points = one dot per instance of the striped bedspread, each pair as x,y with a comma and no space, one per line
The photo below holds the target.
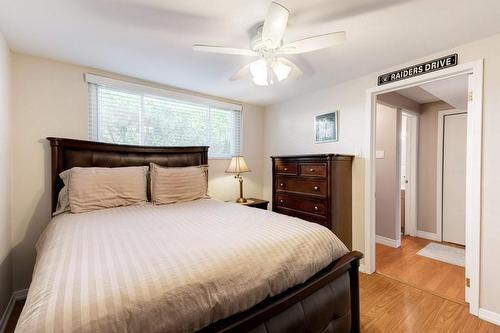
170,268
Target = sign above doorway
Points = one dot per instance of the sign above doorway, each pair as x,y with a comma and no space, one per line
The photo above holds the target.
415,70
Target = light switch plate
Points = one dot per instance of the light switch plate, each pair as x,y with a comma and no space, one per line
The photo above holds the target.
380,154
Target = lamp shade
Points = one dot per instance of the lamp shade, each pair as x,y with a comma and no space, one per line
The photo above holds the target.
237,165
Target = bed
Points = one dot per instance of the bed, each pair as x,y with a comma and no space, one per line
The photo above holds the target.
204,265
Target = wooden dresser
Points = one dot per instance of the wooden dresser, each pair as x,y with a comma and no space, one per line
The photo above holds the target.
316,188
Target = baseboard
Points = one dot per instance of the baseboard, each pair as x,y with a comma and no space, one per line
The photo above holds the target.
428,235
490,316
388,241
16,296
362,268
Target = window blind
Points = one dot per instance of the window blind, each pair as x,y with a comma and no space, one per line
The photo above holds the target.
125,113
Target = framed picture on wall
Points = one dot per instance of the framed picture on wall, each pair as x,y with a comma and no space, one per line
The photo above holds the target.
326,127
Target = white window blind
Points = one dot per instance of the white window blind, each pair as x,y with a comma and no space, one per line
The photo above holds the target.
126,113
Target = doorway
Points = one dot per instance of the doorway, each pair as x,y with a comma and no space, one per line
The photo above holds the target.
409,171
422,259
473,171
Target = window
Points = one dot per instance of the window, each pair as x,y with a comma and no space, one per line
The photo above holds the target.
126,113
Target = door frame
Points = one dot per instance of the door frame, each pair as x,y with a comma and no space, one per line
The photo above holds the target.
412,127
439,170
473,174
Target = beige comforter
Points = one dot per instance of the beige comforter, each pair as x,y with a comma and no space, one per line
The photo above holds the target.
171,268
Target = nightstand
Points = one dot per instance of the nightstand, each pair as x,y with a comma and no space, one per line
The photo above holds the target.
256,203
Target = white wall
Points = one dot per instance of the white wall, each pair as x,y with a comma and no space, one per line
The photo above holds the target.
5,142
50,99
386,178
288,129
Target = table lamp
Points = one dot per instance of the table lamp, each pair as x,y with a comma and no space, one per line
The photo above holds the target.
237,166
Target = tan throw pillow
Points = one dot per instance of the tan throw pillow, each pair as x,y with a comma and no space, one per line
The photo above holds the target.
169,185
95,188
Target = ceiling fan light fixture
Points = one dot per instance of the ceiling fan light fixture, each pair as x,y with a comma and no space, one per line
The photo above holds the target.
281,70
258,69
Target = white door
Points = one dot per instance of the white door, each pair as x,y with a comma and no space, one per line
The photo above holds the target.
454,161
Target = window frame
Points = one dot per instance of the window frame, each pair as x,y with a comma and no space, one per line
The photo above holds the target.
161,92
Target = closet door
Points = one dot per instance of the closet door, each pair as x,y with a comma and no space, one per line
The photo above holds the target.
454,161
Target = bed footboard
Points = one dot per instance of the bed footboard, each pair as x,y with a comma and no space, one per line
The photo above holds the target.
327,302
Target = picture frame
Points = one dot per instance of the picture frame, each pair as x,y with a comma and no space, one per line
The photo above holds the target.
326,127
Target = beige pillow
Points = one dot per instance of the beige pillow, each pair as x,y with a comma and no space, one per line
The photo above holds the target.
95,188
169,185
63,197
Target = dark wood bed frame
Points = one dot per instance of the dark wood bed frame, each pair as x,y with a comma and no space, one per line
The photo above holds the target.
327,302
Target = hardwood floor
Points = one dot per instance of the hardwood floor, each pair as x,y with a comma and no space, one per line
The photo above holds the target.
434,276
388,305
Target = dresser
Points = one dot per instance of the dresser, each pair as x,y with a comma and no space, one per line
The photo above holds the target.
316,188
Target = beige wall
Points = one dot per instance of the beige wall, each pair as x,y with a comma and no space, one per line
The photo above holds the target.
289,129
387,172
5,142
50,99
427,165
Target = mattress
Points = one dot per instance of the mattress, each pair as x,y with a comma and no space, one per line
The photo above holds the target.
170,268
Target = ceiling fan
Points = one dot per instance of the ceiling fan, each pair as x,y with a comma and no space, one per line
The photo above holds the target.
267,44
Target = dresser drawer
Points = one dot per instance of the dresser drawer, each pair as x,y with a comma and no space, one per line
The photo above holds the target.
299,185
305,216
312,169
317,207
286,168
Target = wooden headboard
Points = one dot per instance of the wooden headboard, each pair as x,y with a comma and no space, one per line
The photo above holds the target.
68,153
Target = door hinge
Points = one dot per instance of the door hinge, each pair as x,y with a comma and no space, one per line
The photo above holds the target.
467,282
470,96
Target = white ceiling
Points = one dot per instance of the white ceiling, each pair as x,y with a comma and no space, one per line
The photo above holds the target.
418,95
151,39
453,91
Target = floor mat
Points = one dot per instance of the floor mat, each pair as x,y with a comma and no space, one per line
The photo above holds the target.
449,254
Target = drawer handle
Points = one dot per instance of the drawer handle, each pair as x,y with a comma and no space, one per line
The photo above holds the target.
281,201
311,170
316,208
316,188
281,184
285,169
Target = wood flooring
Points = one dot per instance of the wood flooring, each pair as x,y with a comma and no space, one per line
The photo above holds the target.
434,276
388,305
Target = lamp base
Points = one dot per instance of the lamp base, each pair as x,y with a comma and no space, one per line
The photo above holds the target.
241,200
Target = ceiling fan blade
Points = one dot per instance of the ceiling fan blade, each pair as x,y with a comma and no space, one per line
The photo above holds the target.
241,73
274,25
313,43
223,50
296,71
